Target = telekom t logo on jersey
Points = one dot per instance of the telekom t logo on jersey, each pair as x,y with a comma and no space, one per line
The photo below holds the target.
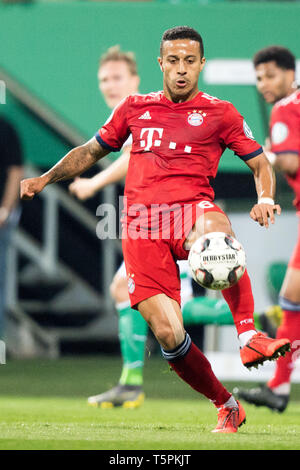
152,137
148,143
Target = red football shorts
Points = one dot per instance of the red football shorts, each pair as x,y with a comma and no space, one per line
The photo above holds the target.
295,258
150,258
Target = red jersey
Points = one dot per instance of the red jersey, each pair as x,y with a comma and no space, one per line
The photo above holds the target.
285,134
176,146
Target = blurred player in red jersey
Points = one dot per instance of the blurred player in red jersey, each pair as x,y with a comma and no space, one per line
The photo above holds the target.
179,135
276,81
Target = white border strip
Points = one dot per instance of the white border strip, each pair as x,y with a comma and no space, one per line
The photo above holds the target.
233,72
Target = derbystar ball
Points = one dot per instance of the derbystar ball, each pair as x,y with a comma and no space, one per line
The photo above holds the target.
217,261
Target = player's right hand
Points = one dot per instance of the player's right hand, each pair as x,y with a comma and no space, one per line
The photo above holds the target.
261,213
82,188
31,186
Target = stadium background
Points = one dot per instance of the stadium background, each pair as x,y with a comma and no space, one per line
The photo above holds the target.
59,272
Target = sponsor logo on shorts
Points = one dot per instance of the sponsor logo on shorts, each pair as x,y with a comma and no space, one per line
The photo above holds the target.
131,285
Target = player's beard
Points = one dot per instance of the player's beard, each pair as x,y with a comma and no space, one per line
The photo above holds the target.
179,94
282,92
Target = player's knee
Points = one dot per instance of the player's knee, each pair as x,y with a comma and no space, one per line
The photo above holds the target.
169,337
223,227
212,222
217,222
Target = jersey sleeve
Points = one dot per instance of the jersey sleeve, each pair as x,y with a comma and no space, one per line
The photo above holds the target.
284,131
114,133
237,135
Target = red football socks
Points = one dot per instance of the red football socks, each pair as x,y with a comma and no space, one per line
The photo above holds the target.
196,370
241,303
290,328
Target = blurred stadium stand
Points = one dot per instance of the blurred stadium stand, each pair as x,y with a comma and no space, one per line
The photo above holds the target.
55,296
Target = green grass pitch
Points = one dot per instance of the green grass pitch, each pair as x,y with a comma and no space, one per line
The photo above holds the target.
43,407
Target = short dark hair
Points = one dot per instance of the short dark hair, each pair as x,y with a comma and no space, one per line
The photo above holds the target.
182,32
278,54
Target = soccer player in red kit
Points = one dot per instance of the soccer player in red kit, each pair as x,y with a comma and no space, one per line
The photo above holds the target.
275,73
179,135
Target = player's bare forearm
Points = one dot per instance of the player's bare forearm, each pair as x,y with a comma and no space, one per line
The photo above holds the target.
265,182
76,162
73,164
264,176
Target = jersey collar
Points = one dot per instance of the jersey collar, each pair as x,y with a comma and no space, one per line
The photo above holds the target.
175,105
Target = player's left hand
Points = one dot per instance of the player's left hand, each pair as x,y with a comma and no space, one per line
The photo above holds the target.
82,188
265,213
